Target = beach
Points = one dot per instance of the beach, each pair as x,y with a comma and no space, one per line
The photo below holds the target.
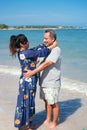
73,107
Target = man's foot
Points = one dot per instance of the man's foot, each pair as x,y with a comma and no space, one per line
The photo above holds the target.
46,122
53,126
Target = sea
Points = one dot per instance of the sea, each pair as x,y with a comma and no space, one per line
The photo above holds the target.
73,44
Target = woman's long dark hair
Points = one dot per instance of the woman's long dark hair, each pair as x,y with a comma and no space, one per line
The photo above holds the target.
15,41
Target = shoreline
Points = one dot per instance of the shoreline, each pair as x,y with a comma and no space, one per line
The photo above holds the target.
66,83
73,107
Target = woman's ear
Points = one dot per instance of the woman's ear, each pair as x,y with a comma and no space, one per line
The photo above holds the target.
21,45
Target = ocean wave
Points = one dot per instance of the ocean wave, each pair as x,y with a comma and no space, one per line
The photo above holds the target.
10,70
74,85
66,83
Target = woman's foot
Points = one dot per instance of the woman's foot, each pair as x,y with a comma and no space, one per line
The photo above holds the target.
23,128
31,127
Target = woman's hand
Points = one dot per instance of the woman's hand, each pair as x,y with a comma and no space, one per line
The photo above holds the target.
55,43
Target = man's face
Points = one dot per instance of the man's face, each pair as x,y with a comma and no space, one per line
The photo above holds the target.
47,39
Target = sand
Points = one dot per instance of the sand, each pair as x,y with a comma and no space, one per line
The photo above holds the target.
73,107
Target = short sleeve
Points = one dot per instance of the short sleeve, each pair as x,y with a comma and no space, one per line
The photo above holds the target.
54,55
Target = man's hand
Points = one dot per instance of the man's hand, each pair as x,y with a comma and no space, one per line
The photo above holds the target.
28,73
41,67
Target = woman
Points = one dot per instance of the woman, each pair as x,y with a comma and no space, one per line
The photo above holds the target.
25,108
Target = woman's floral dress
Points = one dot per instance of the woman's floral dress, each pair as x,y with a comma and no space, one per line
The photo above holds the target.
27,86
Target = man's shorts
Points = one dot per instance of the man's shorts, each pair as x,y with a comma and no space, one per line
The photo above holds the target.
49,94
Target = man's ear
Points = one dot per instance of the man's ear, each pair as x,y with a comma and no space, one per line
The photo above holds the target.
53,40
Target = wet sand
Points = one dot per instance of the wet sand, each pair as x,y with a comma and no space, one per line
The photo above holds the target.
73,107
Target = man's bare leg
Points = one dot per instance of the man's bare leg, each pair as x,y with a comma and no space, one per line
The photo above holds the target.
55,109
48,113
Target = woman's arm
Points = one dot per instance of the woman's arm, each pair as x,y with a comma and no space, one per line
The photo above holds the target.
42,51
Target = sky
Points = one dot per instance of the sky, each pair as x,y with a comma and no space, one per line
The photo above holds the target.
43,12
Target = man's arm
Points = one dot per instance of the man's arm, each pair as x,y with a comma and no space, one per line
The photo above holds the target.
41,67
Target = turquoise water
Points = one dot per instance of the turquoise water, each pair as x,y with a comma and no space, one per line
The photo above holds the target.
73,43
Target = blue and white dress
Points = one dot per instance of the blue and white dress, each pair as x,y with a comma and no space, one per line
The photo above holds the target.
27,86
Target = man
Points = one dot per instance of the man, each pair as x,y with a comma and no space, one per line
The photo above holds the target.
50,79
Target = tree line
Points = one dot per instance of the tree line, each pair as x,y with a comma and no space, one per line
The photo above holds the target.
4,26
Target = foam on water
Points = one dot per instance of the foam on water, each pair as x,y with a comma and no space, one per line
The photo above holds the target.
74,85
66,82
10,70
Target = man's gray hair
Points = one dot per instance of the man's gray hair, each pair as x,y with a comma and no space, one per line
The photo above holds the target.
52,33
